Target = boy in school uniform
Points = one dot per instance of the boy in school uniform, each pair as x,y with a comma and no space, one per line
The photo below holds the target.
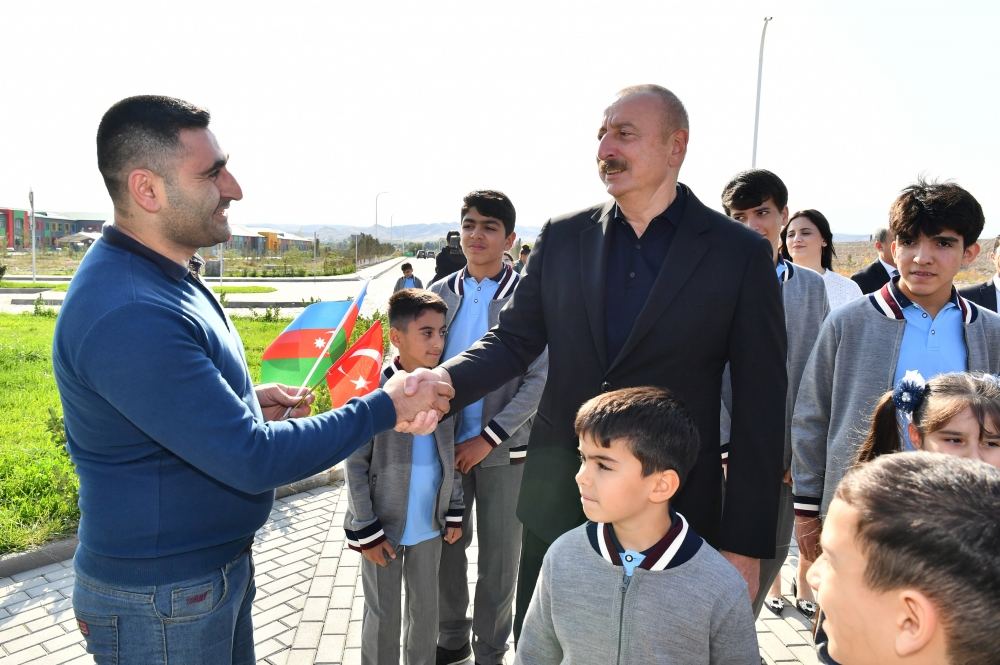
492,442
407,281
917,321
403,496
636,584
758,199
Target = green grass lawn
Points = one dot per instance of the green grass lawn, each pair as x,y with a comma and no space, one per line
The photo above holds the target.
38,487
51,286
244,289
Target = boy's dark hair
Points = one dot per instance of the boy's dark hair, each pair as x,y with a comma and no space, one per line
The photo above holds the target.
491,203
930,207
655,425
823,226
406,266
407,304
928,521
142,132
749,189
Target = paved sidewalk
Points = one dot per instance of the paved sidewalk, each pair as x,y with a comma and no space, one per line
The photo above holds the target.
309,599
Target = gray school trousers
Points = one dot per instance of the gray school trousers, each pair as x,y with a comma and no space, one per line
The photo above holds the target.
771,568
416,567
492,491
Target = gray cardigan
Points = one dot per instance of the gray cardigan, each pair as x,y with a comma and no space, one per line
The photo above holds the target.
852,365
378,484
803,294
508,411
684,604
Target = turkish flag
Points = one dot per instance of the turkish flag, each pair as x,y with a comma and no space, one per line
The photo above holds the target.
356,373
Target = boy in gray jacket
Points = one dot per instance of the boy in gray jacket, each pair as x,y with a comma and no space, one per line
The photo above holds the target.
917,321
403,494
492,442
636,584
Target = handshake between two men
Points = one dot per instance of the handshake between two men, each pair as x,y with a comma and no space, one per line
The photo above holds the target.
421,398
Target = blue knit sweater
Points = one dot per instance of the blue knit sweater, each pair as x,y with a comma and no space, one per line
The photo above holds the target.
177,465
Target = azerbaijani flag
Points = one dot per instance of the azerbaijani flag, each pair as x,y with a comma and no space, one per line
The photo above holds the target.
356,373
307,348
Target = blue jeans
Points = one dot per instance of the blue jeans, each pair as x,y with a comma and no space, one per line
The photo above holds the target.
201,621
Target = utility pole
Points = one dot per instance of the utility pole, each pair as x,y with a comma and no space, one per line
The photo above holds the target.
31,226
760,73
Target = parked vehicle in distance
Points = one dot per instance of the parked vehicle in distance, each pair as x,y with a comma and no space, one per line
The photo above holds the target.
421,254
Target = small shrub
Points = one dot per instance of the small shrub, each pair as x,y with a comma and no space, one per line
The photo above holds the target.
41,310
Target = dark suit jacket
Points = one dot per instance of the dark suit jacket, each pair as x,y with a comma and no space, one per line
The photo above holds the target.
715,300
984,295
872,278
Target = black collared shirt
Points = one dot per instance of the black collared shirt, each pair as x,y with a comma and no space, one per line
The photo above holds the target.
633,265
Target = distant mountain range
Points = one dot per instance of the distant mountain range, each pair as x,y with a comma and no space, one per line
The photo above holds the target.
425,233
436,231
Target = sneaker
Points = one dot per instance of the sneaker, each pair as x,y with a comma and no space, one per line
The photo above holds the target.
453,656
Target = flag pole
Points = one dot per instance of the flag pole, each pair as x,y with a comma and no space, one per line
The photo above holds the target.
326,349
31,225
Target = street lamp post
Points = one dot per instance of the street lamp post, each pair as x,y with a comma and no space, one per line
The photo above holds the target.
760,72
376,218
31,227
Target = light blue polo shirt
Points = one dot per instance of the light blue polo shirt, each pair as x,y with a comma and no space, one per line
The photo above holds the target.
780,270
408,283
421,500
931,345
470,323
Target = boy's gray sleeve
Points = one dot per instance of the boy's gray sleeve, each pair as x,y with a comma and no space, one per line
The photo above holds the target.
456,507
538,644
362,527
811,423
522,405
734,639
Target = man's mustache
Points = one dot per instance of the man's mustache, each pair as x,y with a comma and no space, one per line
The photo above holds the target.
613,164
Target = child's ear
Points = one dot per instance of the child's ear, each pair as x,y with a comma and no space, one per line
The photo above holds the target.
970,254
666,486
394,337
917,623
915,437
509,241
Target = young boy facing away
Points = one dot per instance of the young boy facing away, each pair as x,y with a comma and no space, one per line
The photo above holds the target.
917,321
635,584
492,443
403,495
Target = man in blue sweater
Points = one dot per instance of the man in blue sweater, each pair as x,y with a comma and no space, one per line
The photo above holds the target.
177,452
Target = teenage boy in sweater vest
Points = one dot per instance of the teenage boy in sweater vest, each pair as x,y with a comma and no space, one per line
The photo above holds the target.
492,443
403,495
759,200
636,584
917,321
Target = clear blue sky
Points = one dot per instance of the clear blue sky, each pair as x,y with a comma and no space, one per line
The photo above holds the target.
323,104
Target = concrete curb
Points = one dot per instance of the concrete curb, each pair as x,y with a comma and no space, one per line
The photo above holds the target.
61,550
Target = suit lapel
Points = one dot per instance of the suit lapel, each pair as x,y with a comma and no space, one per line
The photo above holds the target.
593,272
686,251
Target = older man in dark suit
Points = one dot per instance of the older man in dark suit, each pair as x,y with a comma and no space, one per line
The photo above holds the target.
882,269
651,288
985,294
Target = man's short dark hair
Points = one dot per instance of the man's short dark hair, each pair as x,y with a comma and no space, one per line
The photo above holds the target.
406,266
654,424
408,304
491,203
881,235
928,208
928,521
749,189
142,132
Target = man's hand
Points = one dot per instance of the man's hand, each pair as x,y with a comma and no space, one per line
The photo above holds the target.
452,534
748,567
807,530
381,554
471,452
276,398
420,398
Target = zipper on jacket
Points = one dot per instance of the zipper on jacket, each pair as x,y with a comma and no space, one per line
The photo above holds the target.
621,614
